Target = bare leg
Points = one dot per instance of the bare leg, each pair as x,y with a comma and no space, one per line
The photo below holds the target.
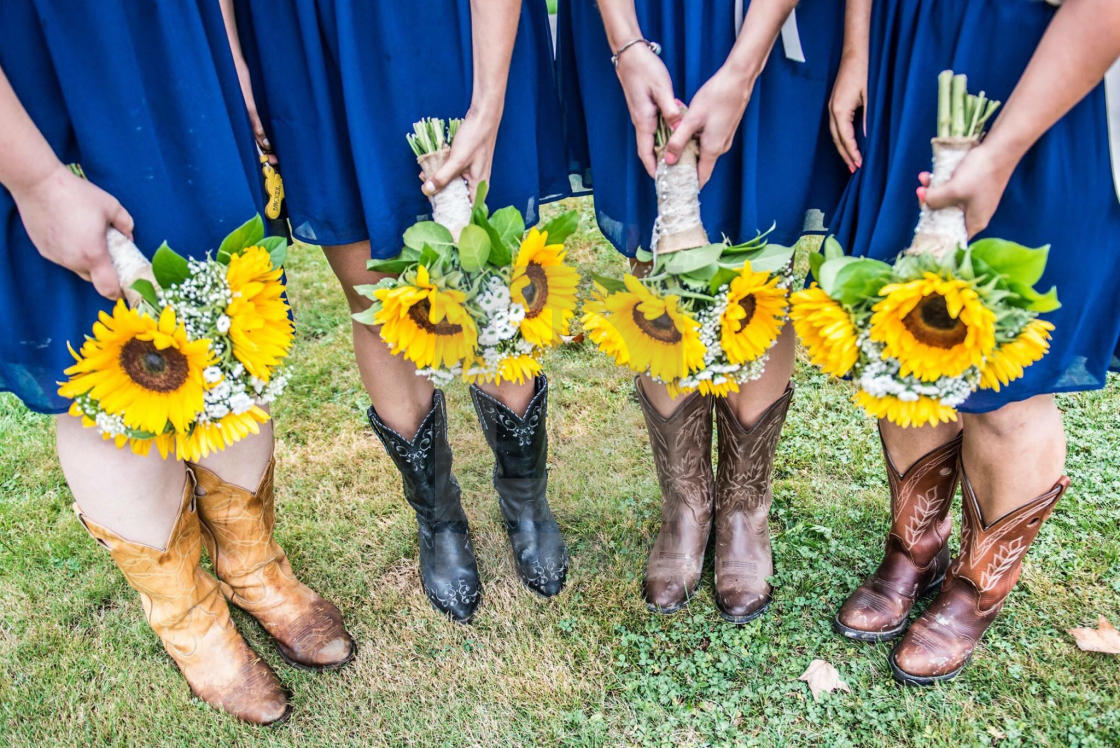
907,445
753,398
136,497
1014,454
514,396
243,464
401,398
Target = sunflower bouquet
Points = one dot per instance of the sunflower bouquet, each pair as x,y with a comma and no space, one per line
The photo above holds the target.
473,295
946,318
188,366
705,316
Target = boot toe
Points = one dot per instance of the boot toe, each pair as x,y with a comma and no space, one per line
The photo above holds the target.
549,587
741,606
665,596
457,601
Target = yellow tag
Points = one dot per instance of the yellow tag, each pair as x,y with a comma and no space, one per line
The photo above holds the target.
273,188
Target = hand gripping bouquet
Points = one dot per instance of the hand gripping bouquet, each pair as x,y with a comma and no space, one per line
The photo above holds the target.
475,296
948,317
187,365
706,315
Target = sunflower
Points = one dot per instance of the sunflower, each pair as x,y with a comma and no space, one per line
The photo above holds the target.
754,316
659,336
706,387
921,412
510,369
1006,363
143,369
934,327
546,287
214,436
825,329
427,325
260,328
597,325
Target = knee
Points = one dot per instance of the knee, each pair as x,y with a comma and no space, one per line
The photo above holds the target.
1033,415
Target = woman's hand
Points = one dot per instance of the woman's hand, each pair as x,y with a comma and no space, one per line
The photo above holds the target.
649,95
713,116
66,218
472,152
849,95
976,186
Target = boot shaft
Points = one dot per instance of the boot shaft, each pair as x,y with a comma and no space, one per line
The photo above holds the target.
746,456
921,499
425,464
682,453
520,446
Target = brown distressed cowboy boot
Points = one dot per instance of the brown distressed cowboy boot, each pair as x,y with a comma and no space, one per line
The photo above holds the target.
917,552
185,609
254,573
940,642
682,452
743,496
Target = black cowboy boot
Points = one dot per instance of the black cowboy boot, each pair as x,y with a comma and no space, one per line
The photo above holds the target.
520,447
448,569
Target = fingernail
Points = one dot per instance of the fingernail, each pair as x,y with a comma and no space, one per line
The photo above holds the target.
859,163
429,188
670,159
921,192
851,169
266,142
923,175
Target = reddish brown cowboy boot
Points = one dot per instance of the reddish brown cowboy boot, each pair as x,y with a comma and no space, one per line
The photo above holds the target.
940,642
917,552
743,561
255,575
187,612
682,452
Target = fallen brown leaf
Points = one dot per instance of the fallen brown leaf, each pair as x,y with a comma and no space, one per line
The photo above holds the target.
822,677
1104,638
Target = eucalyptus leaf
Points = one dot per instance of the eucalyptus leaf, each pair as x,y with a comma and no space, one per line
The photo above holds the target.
474,248
427,233
394,266
561,227
829,268
687,260
509,224
643,255
169,267
860,280
1017,263
831,248
366,316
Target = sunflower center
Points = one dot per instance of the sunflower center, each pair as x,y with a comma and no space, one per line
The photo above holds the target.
749,305
536,293
930,323
154,369
661,328
420,313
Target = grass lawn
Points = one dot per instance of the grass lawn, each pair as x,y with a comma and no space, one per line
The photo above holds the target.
79,664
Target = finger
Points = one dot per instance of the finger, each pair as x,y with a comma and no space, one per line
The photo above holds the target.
924,178
454,168
937,198
973,224
839,143
646,152
685,131
667,104
121,220
105,279
706,165
848,133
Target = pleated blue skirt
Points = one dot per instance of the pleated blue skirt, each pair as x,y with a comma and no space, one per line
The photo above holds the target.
145,97
1061,194
783,162
340,82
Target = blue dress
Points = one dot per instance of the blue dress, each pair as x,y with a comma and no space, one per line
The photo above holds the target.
1061,194
146,98
339,84
782,164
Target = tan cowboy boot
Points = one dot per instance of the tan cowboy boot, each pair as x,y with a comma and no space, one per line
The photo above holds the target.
682,452
743,496
940,642
255,575
917,552
187,612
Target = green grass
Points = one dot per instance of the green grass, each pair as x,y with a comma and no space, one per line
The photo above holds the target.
78,663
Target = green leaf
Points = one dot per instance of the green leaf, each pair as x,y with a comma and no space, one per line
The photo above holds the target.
510,226
500,254
702,275
427,233
429,256
687,260
474,248
1033,300
561,227
829,268
816,259
147,291
613,285
480,198
365,317
246,235
860,280
722,277
643,255
395,266
772,258
831,248
1017,263
277,247
169,267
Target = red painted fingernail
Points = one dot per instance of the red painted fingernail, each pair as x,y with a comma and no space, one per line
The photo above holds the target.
921,192
851,169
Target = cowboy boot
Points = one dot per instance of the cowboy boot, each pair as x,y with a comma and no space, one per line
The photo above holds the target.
743,495
448,570
186,610
254,573
917,552
940,642
520,446
682,452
